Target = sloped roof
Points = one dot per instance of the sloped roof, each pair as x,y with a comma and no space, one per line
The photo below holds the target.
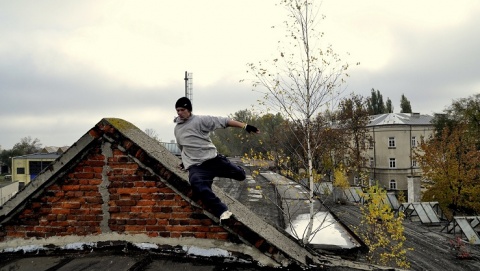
39,155
266,242
400,119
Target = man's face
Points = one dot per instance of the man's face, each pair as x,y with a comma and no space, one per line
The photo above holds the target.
183,113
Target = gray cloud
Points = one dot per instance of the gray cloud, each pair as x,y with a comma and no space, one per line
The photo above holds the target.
49,92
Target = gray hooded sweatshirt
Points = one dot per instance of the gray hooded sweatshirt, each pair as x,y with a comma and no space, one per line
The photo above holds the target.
193,138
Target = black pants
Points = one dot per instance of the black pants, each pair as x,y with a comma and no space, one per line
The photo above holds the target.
201,179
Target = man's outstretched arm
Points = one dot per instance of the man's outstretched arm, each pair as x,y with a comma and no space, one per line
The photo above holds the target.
247,127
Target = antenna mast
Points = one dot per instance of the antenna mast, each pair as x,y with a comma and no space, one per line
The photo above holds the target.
188,85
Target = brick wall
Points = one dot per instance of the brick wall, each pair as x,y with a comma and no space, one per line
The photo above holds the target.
107,191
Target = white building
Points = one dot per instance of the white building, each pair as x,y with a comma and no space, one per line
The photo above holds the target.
390,153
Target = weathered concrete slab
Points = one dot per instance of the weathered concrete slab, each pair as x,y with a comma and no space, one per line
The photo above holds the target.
31,263
165,265
99,263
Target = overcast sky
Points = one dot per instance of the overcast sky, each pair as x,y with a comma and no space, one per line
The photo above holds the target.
65,65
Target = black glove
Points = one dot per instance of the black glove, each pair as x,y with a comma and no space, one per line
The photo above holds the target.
251,129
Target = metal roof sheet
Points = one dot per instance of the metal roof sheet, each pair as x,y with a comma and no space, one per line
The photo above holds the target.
400,119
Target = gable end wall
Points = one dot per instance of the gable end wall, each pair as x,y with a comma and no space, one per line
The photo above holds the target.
108,192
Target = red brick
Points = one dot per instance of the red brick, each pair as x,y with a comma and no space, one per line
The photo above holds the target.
146,196
91,194
154,228
136,197
219,236
187,234
51,199
168,203
150,184
125,209
96,157
17,234
165,190
217,229
182,209
162,216
60,211
164,234
127,191
180,215
146,203
141,209
135,228
54,187
71,205
118,153
125,203
97,199
36,205
147,190
151,221
114,209
152,234
94,181
201,229
88,187
84,175
200,235
70,187
35,234
179,228
175,235
62,224
94,163
60,194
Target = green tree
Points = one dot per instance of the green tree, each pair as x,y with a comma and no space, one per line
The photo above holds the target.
450,169
375,103
465,111
450,159
300,82
405,105
353,118
389,106
234,142
382,231
27,145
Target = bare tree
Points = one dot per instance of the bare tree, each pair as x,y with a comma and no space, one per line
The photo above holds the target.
153,134
300,82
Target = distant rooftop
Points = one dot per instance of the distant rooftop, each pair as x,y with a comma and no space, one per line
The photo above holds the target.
400,119
39,155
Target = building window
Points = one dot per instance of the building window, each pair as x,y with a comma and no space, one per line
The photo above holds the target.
391,142
356,180
392,163
37,166
414,163
393,185
20,170
414,141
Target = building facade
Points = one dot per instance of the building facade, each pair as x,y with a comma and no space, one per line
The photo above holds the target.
390,151
26,167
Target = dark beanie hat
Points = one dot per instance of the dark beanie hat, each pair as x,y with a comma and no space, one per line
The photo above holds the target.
185,103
